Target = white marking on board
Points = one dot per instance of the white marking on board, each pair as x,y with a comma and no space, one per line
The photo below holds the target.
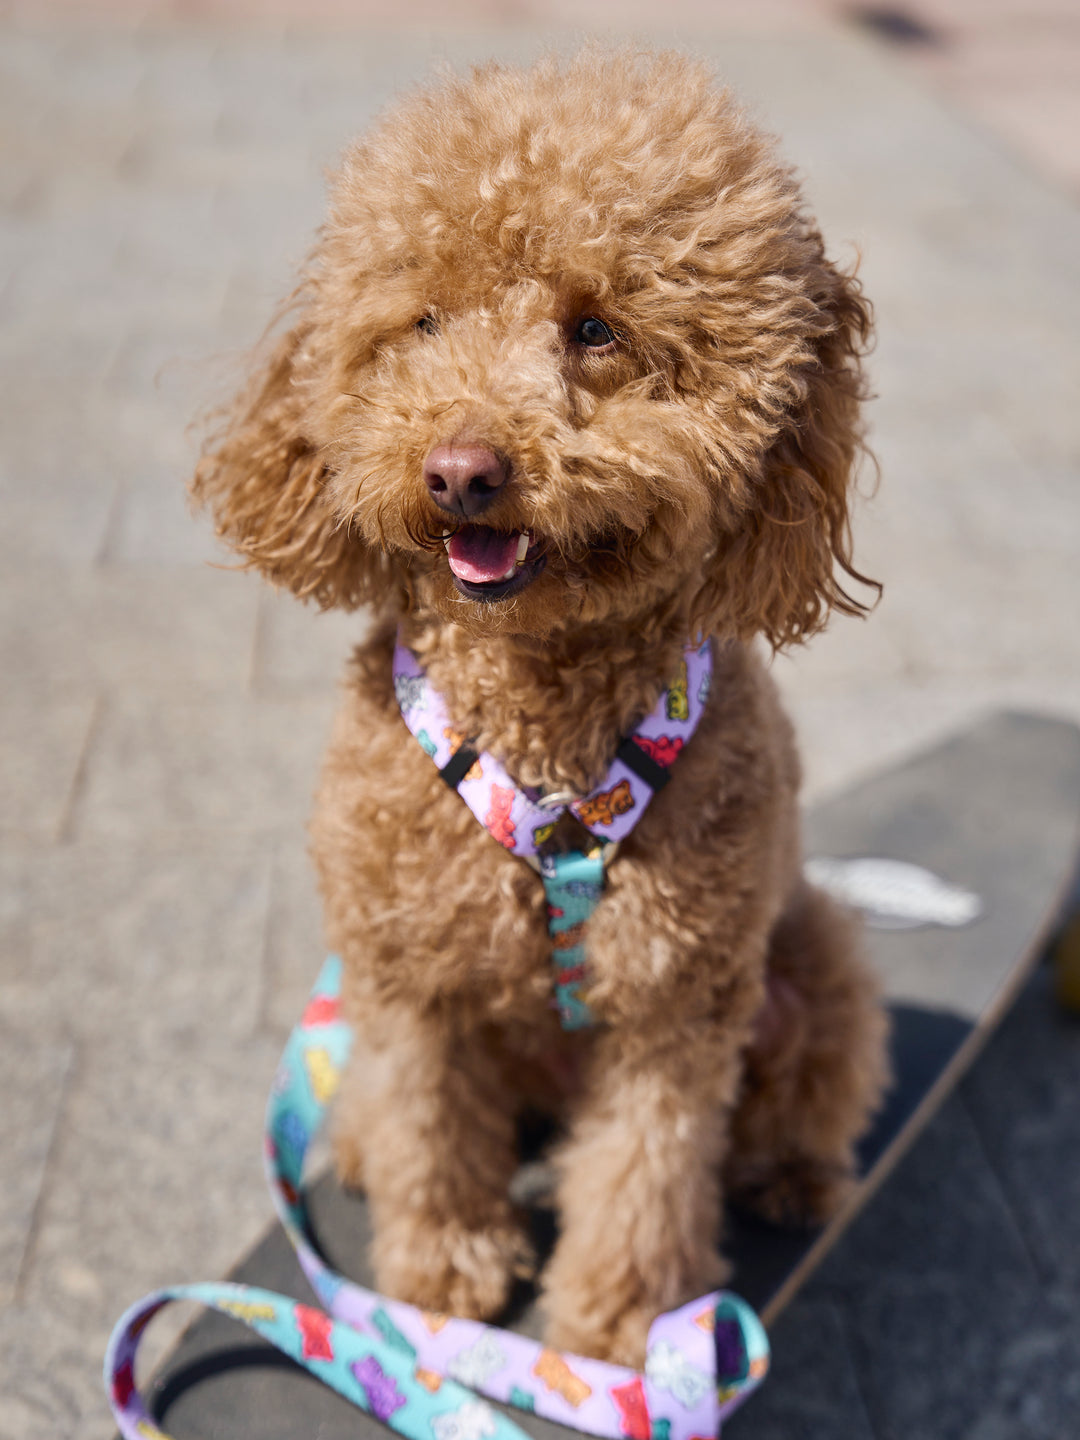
892,894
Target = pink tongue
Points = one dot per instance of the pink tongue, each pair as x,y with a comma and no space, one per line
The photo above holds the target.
480,555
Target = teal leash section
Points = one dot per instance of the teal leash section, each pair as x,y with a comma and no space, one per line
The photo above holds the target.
573,884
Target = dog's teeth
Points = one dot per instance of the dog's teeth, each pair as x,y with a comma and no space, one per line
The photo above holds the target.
447,536
523,548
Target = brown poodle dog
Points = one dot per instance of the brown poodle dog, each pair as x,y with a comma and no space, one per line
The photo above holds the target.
569,382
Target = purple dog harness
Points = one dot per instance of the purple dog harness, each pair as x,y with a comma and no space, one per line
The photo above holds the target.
413,1370
523,819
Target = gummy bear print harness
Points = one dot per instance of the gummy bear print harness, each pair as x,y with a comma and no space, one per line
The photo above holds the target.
522,820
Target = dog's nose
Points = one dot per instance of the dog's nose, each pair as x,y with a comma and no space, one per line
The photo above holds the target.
464,479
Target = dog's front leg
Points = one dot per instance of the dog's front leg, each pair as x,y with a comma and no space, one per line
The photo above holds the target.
639,1194
424,1124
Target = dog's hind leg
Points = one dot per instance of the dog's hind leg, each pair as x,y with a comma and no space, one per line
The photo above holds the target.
815,1071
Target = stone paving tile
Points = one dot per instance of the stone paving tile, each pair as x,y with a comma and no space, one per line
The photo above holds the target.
56,507
151,630
1016,67
68,452
151,522
147,1176
103,943
99,941
138,1112
294,936
1036,118
50,1375
33,1070
41,750
299,649
226,766
371,15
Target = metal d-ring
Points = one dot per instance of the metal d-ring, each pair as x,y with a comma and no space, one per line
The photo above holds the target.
557,800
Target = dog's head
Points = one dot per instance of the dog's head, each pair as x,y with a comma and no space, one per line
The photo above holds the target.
569,351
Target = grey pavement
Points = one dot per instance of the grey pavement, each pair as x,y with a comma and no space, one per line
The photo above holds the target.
162,719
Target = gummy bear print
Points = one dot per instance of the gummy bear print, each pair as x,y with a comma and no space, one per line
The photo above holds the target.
664,750
382,1393
669,1369
567,939
677,706
552,1369
409,690
498,819
391,1334
584,890
633,1411
315,1331
123,1384
249,1310
475,1365
473,1421
291,1136
603,808
320,1010
522,1399
322,1074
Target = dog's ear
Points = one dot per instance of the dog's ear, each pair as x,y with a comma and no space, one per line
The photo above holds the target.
271,495
774,568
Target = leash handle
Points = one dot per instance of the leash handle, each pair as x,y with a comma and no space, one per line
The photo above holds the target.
415,1370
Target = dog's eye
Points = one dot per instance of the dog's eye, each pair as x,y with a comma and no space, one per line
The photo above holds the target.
594,334
428,324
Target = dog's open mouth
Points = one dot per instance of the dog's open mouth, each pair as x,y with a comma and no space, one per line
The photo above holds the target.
491,564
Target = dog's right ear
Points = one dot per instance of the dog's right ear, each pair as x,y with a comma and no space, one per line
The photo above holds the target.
264,479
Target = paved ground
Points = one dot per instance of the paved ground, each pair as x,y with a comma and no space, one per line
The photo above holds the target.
162,719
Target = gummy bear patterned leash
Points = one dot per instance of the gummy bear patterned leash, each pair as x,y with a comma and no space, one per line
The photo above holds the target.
408,1367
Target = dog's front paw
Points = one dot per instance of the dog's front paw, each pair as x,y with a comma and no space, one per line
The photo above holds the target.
606,1311
450,1268
620,1340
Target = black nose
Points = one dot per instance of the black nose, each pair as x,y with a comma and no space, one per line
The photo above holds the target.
464,479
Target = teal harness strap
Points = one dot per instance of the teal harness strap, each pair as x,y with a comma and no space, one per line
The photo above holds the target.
572,884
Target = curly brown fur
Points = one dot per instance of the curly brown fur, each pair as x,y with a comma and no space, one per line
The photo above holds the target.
691,475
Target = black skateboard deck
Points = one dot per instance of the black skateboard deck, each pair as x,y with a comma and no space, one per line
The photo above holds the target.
961,860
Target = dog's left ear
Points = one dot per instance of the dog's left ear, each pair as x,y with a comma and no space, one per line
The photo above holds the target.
785,536
264,478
